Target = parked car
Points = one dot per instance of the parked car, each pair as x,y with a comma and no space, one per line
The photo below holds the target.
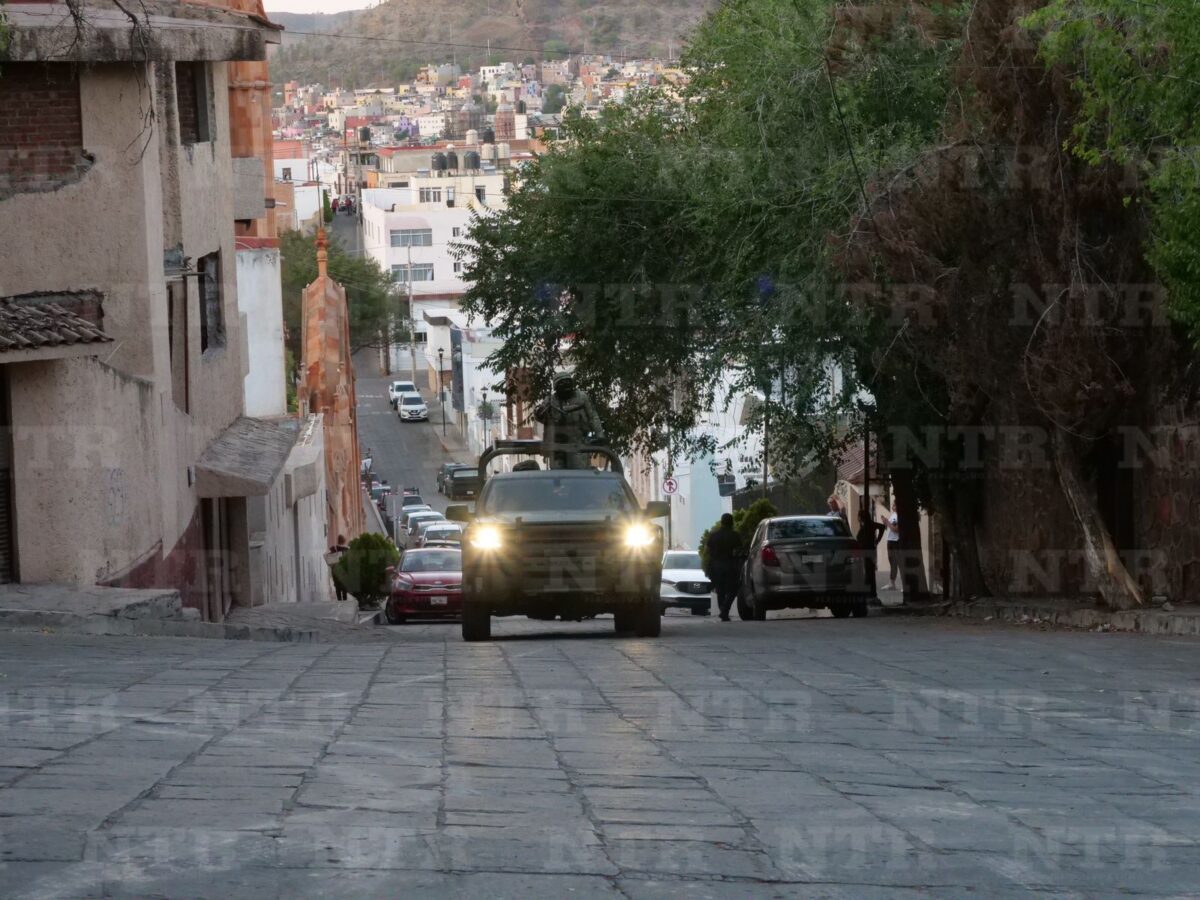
398,389
440,533
378,489
427,583
802,562
684,584
412,498
412,408
463,484
444,473
423,526
411,510
415,520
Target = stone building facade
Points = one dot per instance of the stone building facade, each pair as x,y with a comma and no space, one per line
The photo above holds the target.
121,458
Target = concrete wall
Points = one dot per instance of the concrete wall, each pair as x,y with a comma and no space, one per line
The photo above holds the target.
86,487
144,193
260,304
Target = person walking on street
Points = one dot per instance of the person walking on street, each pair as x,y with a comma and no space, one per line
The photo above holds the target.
869,534
893,550
724,563
335,553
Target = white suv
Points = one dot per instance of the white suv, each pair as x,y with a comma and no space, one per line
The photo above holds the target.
398,389
411,408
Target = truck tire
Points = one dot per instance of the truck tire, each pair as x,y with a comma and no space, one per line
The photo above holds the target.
476,622
649,622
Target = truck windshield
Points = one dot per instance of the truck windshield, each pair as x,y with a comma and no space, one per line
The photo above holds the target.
564,494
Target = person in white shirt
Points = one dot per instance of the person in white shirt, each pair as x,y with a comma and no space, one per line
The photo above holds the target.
893,542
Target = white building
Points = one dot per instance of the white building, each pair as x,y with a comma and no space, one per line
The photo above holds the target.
492,74
410,231
431,125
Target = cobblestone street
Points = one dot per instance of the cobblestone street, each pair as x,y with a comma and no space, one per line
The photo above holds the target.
793,758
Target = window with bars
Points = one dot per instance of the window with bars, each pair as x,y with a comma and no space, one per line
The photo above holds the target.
420,272
212,315
430,195
412,237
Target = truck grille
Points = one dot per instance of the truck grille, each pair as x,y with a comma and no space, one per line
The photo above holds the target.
566,557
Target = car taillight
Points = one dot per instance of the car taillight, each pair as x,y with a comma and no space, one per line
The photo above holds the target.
769,556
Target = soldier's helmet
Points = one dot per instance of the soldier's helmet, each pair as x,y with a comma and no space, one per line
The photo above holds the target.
564,382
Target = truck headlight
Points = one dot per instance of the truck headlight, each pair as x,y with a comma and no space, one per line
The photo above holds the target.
486,537
639,534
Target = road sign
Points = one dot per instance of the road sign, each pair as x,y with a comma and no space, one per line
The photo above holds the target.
670,486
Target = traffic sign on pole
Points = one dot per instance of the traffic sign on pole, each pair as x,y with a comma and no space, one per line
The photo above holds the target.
670,486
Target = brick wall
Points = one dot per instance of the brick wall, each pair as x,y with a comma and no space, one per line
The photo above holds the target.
41,131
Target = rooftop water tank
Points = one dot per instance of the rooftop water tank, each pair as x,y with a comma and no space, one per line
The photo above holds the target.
439,162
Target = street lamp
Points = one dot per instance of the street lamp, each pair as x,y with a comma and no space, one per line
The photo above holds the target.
442,389
486,418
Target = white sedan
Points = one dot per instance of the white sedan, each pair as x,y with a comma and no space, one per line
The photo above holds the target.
684,583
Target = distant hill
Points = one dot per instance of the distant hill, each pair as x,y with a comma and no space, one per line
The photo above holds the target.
401,35
310,22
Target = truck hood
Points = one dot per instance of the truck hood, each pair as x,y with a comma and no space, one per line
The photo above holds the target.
554,518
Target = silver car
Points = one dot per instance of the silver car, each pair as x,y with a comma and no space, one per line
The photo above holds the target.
803,562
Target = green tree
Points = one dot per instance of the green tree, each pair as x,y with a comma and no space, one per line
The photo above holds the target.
363,568
1136,67
554,99
378,312
326,207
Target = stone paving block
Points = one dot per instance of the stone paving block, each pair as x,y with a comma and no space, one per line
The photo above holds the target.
339,796
41,838
689,858
205,814
47,880
561,852
353,847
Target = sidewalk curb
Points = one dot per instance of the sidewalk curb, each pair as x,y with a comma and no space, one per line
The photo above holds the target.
1139,621
70,623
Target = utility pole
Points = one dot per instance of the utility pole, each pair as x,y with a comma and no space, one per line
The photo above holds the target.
766,429
412,318
442,389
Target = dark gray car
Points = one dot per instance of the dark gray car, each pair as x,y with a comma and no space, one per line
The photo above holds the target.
802,562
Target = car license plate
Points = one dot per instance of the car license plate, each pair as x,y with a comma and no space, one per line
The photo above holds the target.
438,601
812,559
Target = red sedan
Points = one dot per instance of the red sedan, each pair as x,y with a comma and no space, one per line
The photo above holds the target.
427,584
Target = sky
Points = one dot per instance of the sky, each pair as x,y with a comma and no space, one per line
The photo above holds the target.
315,6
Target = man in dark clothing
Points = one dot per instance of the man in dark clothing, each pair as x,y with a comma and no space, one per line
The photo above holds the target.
869,534
335,553
724,563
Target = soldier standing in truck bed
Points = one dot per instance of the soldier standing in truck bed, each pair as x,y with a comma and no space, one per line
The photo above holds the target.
568,417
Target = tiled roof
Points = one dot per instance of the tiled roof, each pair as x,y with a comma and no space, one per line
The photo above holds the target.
32,326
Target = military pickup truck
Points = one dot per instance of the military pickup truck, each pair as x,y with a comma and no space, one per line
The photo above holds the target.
559,543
